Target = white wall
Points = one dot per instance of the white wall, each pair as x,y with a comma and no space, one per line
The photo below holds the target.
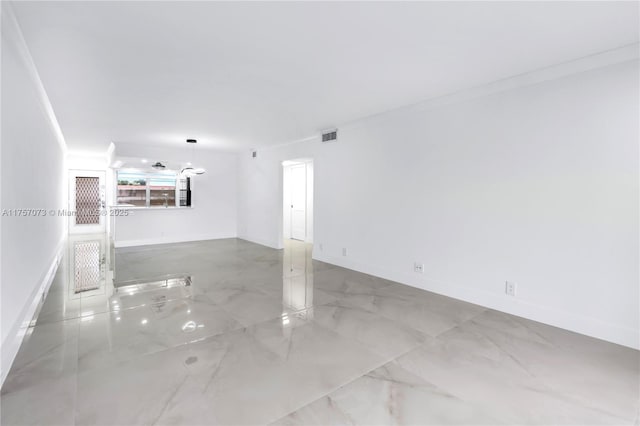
260,203
32,177
214,201
93,161
537,184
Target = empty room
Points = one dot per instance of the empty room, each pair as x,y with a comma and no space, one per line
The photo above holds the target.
320,213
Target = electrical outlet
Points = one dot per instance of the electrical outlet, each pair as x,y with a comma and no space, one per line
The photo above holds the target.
510,288
344,251
418,268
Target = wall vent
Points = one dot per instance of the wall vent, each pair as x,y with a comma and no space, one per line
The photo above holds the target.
329,135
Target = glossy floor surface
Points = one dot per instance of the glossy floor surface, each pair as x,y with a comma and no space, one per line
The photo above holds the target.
230,332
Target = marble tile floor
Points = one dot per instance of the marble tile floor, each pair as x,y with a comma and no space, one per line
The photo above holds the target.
259,336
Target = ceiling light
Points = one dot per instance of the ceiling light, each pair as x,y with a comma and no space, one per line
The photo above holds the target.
192,171
144,160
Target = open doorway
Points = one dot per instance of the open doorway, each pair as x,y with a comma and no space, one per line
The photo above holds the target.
297,213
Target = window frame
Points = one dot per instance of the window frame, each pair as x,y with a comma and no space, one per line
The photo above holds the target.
148,176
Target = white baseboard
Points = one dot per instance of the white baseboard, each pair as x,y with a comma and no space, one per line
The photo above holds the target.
170,240
588,326
265,243
11,344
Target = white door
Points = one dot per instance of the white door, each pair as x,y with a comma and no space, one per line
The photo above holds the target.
299,202
87,210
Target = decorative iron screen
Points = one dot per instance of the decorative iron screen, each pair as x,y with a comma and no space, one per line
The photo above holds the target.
87,201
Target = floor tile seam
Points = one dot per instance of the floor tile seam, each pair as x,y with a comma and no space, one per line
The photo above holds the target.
155,352
271,351
493,328
482,312
49,322
147,305
545,340
59,375
115,312
297,274
238,292
568,397
438,386
258,323
460,324
391,283
335,388
58,344
392,320
192,297
423,292
167,336
239,326
174,392
368,347
557,394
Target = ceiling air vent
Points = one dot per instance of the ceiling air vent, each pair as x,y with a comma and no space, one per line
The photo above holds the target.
329,135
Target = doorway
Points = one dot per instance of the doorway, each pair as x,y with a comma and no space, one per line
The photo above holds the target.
297,198
87,210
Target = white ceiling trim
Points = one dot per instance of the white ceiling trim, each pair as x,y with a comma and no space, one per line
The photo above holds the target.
610,57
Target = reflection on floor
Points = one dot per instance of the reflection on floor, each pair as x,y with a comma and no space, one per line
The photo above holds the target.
230,332
88,265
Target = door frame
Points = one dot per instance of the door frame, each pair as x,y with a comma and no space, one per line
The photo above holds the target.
302,166
87,229
285,211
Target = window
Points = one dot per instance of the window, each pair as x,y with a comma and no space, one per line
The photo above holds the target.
162,190
132,189
157,189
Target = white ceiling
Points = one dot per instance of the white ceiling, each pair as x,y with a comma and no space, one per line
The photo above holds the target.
239,75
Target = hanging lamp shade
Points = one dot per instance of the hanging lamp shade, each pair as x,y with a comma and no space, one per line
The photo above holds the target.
192,171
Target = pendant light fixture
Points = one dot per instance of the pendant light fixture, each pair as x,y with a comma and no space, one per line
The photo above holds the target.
192,171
